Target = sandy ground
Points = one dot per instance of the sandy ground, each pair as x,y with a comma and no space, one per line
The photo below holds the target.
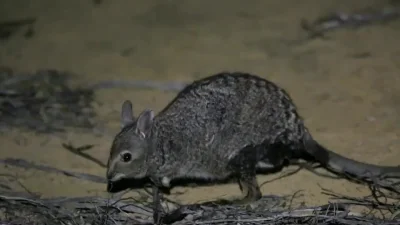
349,102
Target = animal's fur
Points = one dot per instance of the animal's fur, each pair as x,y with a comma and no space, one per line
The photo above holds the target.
225,125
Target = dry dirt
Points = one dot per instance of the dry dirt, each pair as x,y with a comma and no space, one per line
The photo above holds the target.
349,102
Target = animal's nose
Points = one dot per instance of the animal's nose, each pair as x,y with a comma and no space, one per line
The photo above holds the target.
109,175
110,186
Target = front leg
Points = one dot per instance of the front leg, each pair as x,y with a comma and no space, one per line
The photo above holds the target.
163,185
156,205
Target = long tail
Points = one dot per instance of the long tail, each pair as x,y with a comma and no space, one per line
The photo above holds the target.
340,164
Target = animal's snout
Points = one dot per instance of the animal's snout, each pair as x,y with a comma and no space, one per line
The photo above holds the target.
109,174
113,177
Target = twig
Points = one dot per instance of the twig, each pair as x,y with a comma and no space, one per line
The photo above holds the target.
341,20
7,27
96,211
282,176
66,208
26,21
163,86
156,205
80,151
301,166
14,178
44,102
29,165
372,202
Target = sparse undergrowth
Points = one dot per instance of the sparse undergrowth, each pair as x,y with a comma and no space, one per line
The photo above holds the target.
20,209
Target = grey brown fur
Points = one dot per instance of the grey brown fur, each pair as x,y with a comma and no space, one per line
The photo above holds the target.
225,125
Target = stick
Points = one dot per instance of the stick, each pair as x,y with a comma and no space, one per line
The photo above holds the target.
168,86
321,26
341,19
20,22
96,210
156,205
29,165
79,151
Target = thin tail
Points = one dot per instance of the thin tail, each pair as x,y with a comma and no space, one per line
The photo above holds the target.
340,164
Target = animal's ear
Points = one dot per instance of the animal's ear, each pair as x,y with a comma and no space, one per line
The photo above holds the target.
144,123
126,114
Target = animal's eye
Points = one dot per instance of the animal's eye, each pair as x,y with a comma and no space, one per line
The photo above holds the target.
126,157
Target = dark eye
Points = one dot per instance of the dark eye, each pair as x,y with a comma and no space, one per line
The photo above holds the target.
126,157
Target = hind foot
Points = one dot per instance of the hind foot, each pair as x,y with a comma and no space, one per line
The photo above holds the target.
250,190
244,165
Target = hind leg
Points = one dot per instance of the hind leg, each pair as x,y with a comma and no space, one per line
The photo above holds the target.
244,167
272,157
250,190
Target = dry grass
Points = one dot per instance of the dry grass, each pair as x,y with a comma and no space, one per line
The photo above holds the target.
21,209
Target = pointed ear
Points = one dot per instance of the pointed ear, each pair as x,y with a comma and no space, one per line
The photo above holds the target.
126,114
144,123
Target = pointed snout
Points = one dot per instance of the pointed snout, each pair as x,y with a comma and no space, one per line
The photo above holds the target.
110,175
112,180
113,176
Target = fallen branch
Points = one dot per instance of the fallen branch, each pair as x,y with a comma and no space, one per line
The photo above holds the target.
388,208
43,102
96,210
338,20
7,28
80,152
29,165
163,86
269,210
